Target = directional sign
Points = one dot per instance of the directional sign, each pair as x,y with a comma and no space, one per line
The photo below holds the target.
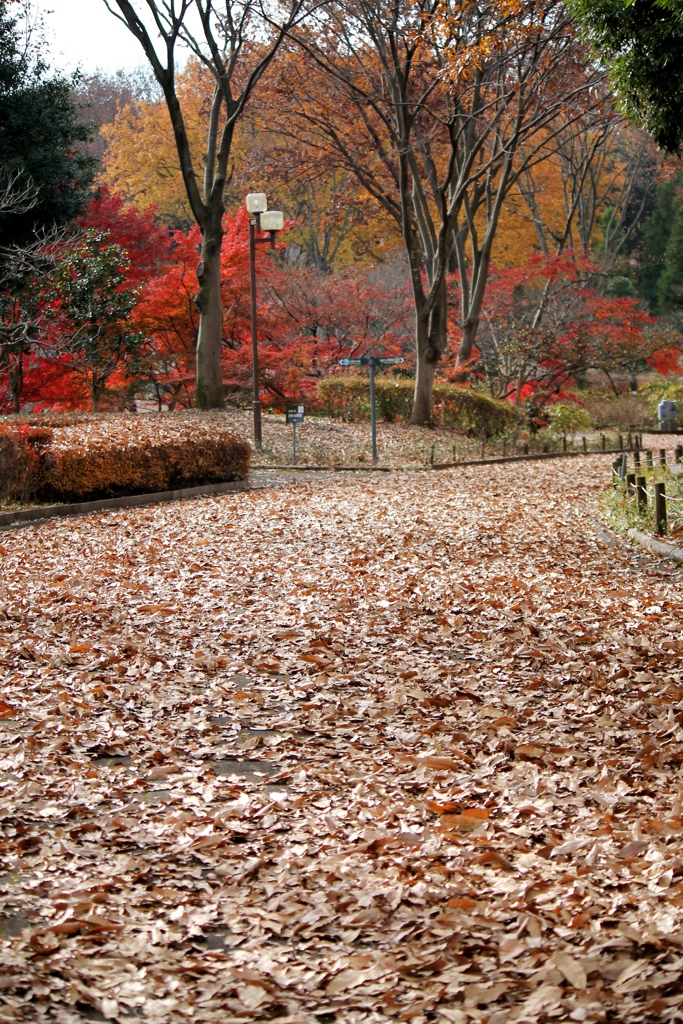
379,361
294,414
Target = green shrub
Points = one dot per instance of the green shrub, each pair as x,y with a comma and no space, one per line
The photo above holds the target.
659,387
568,419
348,398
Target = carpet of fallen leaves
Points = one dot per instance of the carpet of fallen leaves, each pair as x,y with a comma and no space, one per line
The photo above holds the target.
326,442
358,748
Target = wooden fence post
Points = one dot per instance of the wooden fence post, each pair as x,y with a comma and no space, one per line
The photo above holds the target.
660,510
641,491
630,484
648,459
662,456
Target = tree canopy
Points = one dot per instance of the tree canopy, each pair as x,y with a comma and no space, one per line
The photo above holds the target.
39,135
642,43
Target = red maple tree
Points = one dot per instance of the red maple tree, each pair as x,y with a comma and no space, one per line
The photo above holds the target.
545,324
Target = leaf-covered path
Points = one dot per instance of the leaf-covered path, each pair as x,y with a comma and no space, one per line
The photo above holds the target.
403,747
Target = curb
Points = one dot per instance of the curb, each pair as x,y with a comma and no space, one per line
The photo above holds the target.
658,546
531,458
127,501
443,465
333,469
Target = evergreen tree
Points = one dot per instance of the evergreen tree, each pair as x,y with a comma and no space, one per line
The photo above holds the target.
641,42
39,132
93,304
670,284
656,232
661,269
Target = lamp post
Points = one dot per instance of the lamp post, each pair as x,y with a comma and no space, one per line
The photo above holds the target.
260,219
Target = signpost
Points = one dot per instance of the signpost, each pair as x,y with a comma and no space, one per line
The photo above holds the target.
294,414
372,362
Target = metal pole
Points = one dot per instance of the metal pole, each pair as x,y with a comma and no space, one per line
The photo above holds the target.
373,416
258,439
294,444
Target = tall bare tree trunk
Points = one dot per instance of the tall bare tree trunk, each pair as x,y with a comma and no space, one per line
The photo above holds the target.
16,382
430,344
210,337
469,335
425,365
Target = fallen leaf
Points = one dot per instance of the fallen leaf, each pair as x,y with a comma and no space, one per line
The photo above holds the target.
528,752
253,996
636,848
571,969
343,981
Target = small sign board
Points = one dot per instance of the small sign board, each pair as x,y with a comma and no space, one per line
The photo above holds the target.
379,361
294,413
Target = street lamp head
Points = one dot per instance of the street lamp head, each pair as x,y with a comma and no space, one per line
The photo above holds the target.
257,202
273,220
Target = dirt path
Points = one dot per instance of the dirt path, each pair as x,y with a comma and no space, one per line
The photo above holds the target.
398,747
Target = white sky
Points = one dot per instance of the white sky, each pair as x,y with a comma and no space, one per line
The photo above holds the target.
82,33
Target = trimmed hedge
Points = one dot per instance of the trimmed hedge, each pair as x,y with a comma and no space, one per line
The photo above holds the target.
23,455
459,406
106,459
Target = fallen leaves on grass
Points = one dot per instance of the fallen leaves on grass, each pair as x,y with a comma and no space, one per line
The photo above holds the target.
404,747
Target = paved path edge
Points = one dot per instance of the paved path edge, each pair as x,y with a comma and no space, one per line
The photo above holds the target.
127,501
658,546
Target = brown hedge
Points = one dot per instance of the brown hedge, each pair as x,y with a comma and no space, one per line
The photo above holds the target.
104,459
348,398
23,452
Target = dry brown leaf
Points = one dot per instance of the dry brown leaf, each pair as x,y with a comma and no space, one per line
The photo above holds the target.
528,751
571,969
